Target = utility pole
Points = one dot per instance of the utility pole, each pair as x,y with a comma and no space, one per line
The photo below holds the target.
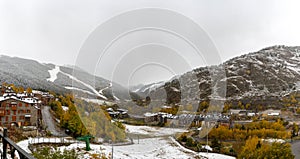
112,149
206,137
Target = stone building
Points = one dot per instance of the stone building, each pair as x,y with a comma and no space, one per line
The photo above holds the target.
19,111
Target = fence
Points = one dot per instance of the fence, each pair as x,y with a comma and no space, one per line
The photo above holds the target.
9,144
43,140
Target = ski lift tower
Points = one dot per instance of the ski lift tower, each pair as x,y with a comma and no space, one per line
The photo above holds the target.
87,141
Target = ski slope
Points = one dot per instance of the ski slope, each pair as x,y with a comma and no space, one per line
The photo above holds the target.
53,74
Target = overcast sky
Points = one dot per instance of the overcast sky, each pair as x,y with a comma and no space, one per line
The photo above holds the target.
54,31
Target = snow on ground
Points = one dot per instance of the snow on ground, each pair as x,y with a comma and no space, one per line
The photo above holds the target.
24,145
153,131
87,85
153,86
65,108
97,101
101,90
203,154
146,149
116,98
78,89
110,86
215,156
149,148
53,74
159,146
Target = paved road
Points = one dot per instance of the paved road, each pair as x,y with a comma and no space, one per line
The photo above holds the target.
296,149
50,123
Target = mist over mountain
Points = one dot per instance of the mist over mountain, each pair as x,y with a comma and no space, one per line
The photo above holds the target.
270,73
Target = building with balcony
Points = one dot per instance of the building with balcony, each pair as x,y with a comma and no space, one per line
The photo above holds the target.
19,111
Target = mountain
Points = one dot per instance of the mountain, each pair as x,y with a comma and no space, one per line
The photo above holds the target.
146,89
60,79
261,77
264,77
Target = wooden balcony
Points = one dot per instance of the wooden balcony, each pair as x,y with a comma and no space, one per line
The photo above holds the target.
2,112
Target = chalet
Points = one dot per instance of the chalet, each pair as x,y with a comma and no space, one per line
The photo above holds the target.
45,97
112,113
6,90
123,113
239,112
157,118
119,113
19,111
151,117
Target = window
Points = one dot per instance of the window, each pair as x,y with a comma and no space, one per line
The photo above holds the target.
6,119
28,111
13,118
15,112
21,118
26,104
7,112
20,104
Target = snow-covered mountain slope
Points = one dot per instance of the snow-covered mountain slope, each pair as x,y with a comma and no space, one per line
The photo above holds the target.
270,72
273,71
61,79
53,74
146,89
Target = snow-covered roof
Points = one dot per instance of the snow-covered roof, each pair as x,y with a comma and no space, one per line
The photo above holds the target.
29,100
13,103
113,113
122,110
36,92
149,114
25,100
21,95
44,94
109,109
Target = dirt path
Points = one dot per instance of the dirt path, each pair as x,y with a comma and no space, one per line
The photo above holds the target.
50,123
296,149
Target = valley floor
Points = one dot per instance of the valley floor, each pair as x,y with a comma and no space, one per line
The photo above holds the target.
158,143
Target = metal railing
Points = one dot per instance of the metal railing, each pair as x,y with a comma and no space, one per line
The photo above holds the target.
13,148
